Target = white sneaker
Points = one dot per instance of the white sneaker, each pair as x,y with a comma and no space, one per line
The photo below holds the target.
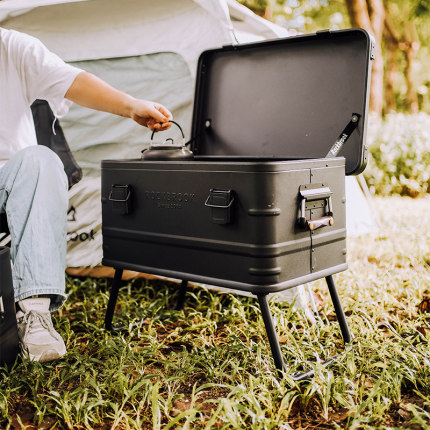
38,339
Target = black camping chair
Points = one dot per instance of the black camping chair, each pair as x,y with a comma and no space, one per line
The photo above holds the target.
49,133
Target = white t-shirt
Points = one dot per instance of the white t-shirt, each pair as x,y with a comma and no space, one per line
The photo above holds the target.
28,71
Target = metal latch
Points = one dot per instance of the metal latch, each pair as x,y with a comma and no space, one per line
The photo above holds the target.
120,198
2,315
220,202
344,136
372,47
314,196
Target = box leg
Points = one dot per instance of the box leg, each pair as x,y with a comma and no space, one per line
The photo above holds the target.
113,297
338,309
274,340
271,333
181,297
275,345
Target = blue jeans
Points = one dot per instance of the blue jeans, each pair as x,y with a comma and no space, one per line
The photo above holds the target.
33,193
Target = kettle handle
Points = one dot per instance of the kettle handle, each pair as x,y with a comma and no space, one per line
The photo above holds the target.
180,128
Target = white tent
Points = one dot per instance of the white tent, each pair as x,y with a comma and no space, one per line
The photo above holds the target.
79,30
146,48
149,49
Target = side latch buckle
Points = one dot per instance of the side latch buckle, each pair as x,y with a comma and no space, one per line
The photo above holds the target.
120,196
344,136
314,196
220,202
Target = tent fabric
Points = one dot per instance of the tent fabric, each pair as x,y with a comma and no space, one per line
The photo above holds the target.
219,10
12,8
251,26
94,136
84,236
359,217
135,27
96,29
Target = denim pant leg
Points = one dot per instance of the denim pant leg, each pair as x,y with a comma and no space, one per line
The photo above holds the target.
33,193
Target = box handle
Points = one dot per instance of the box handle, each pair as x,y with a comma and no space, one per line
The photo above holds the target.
111,199
218,206
320,195
120,198
220,202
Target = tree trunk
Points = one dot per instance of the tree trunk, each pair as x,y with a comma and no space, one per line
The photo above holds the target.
408,43
410,48
391,63
411,92
370,15
390,75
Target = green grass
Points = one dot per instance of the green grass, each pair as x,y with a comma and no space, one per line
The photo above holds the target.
209,366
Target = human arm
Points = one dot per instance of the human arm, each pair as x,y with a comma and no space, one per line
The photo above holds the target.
90,91
45,76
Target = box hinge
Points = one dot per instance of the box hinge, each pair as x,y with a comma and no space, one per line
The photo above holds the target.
372,48
220,202
120,196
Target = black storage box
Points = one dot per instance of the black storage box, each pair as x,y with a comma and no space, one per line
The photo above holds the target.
231,223
9,343
261,208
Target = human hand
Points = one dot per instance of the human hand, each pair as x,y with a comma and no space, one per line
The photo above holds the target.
90,91
151,114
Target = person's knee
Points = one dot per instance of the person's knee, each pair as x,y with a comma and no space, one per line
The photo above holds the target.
39,160
40,155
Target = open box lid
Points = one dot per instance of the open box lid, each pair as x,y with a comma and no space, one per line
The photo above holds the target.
287,98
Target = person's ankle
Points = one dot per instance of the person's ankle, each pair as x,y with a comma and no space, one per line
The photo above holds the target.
35,296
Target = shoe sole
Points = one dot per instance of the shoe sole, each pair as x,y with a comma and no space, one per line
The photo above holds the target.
48,355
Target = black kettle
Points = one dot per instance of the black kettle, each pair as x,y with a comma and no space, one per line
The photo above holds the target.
168,151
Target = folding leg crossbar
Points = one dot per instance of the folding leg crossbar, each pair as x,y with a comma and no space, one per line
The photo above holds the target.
267,318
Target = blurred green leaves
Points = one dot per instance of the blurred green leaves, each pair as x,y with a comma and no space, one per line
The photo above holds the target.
400,156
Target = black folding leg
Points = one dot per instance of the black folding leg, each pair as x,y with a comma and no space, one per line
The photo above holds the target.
338,309
273,336
271,333
113,297
182,293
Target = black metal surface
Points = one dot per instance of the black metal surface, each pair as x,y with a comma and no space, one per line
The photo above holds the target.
9,342
182,294
265,116
253,289
274,340
272,335
256,241
113,297
284,98
338,309
4,227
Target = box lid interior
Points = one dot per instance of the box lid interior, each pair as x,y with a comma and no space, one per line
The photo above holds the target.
284,99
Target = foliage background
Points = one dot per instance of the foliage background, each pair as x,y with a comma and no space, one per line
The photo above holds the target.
399,142
400,155
305,16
